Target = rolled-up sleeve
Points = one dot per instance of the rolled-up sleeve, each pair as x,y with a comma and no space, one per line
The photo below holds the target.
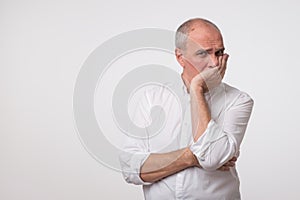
131,163
220,142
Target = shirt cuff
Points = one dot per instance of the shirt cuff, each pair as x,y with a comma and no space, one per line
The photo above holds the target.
131,165
212,133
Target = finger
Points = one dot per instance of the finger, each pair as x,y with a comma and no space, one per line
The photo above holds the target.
224,64
210,76
220,62
221,66
229,164
226,56
225,59
233,159
221,168
224,168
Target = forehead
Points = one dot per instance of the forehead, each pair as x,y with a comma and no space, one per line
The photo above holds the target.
204,37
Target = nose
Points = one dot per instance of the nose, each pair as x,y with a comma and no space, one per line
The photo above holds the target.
214,60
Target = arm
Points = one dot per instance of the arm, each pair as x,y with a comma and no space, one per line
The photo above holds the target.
201,83
144,165
200,114
215,145
159,166
142,168
220,142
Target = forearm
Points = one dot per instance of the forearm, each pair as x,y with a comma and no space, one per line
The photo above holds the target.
200,113
159,166
222,140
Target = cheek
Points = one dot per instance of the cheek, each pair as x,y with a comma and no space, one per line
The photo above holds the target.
200,64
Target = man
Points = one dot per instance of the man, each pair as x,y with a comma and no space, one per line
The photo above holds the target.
219,113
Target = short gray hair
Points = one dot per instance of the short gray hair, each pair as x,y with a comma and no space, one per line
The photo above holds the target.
184,29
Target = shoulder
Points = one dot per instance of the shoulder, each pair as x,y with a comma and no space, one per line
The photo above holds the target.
237,96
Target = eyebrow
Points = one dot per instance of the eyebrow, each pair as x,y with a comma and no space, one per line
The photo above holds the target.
209,50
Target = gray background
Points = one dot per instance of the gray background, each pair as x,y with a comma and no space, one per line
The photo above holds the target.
43,45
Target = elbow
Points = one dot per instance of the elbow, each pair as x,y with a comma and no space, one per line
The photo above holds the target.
132,178
213,161
135,177
130,165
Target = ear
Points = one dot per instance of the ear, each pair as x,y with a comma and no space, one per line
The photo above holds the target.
179,56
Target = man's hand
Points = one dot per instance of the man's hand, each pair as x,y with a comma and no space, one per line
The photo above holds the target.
210,77
225,167
230,163
189,73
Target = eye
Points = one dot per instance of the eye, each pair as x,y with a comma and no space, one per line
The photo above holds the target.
202,53
220,53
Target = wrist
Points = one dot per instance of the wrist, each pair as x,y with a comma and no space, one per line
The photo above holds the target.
197,88
190,158
197,92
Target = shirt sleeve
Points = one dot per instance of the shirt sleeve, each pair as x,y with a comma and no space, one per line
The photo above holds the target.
131,163
220,142
135,150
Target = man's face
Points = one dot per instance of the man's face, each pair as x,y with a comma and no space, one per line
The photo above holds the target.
203,48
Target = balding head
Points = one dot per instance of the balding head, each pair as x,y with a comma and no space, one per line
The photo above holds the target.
199,45
196,24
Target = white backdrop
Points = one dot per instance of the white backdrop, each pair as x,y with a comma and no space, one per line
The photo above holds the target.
44,44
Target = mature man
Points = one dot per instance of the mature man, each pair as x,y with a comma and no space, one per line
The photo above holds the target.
217,114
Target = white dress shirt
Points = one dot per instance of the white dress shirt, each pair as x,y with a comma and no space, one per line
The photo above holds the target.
230,111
